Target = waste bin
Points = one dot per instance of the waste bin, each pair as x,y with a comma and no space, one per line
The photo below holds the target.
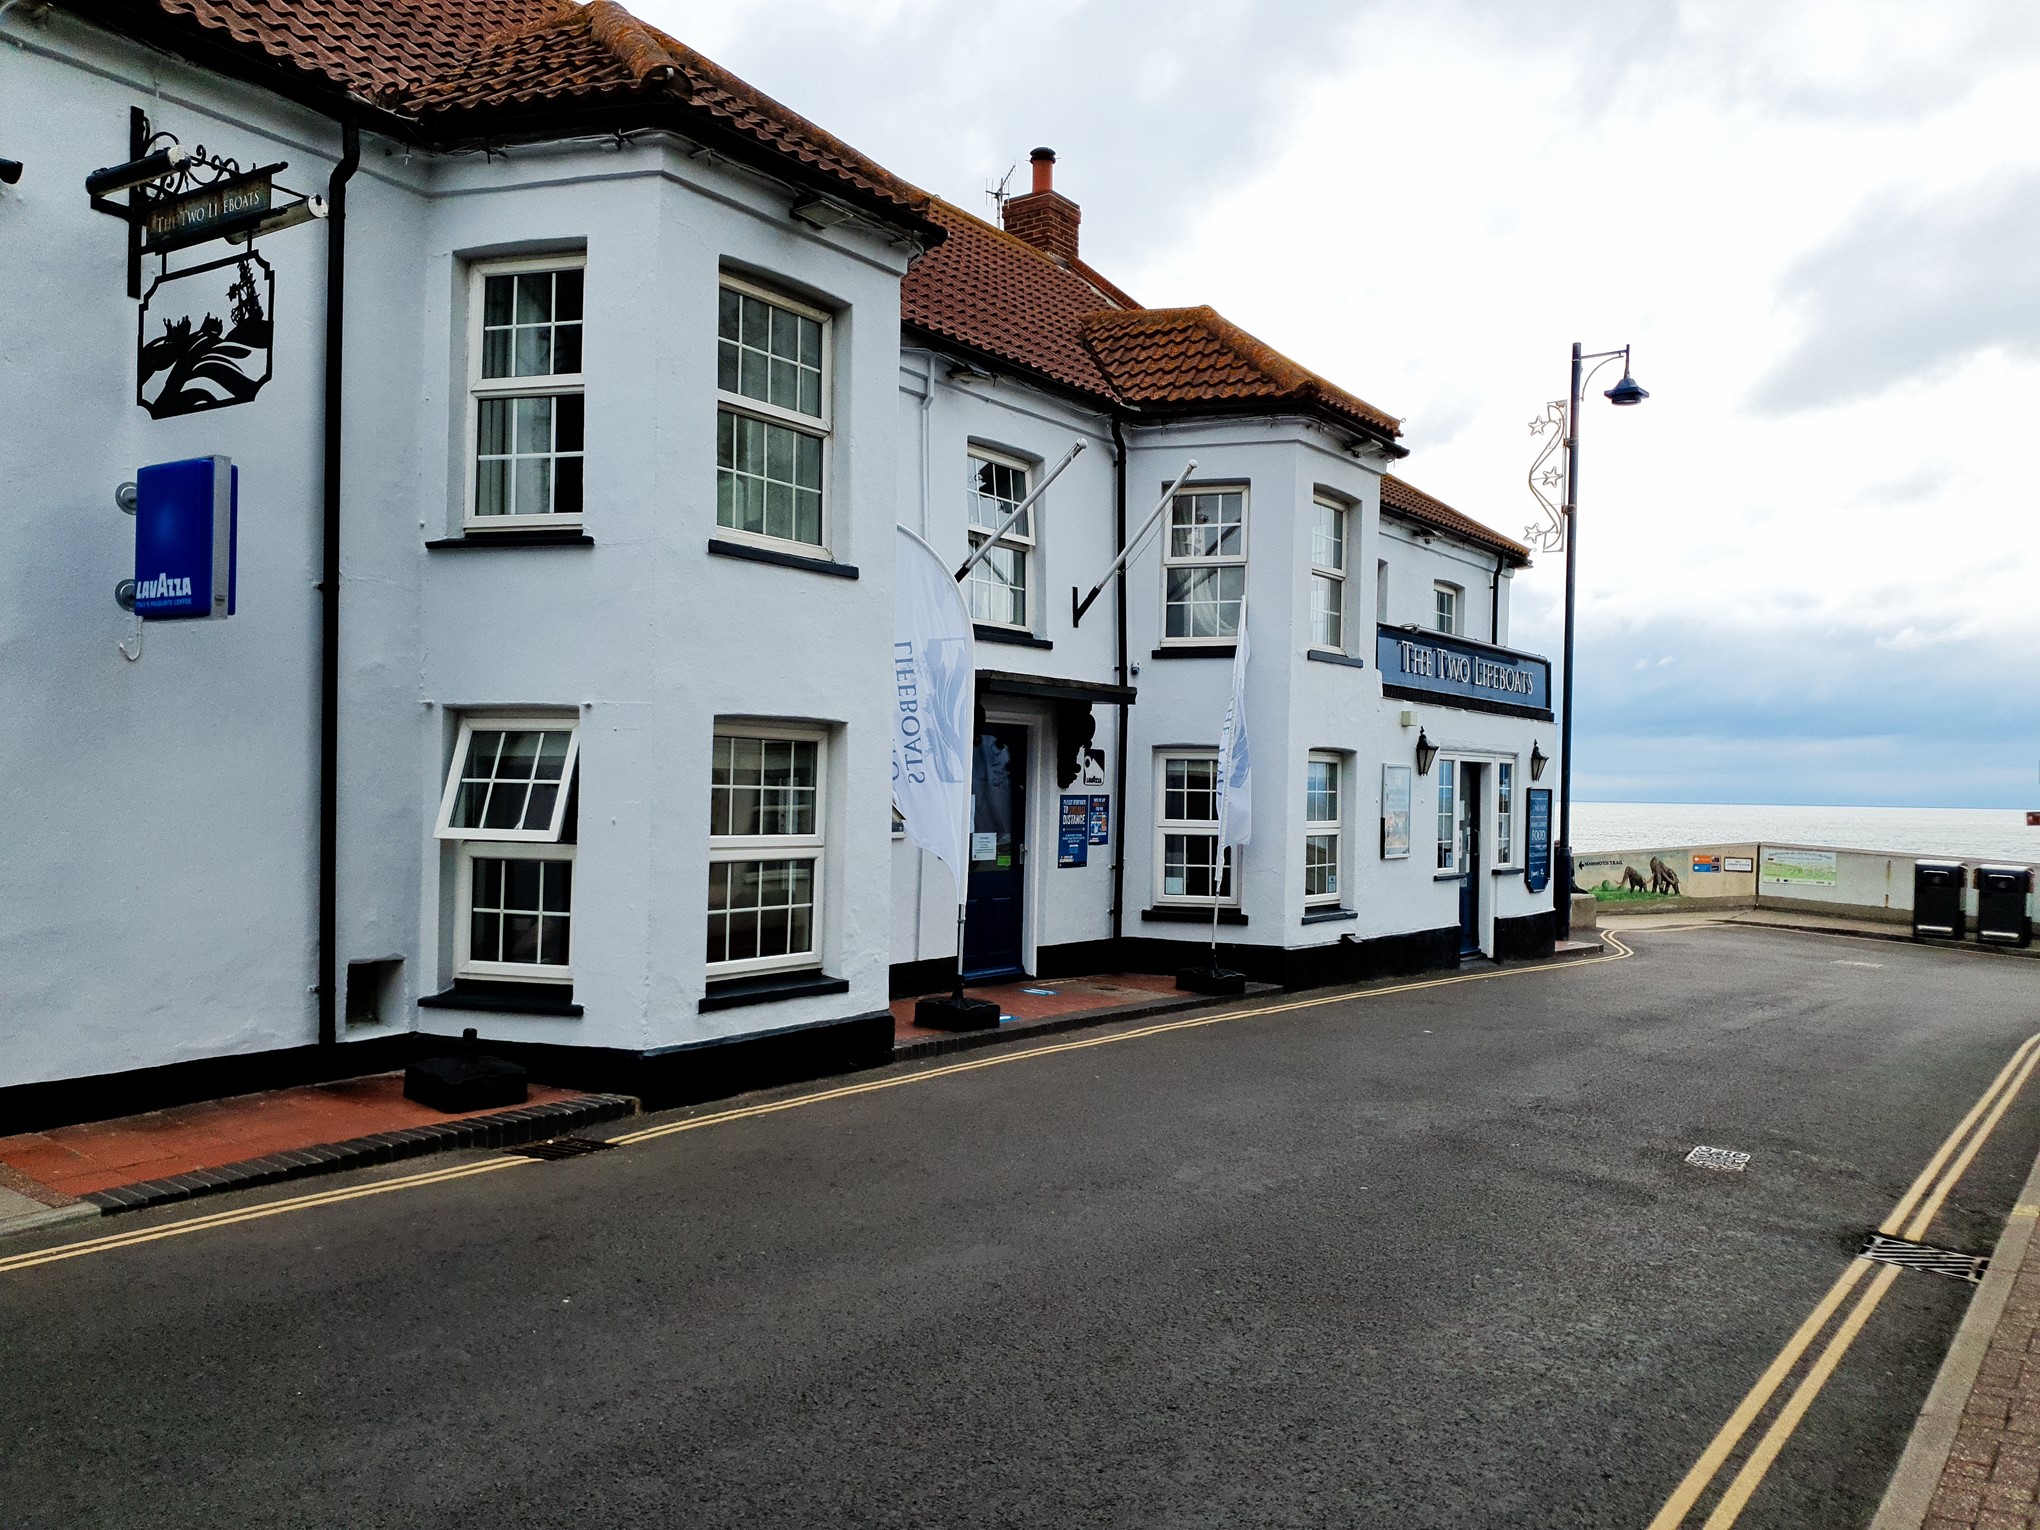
2001,917
1937,899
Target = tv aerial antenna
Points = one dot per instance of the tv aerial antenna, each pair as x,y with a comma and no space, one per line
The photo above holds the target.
998,195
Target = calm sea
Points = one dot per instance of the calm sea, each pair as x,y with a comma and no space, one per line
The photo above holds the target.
1966,833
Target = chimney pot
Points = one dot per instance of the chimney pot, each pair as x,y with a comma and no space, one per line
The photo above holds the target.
1044,217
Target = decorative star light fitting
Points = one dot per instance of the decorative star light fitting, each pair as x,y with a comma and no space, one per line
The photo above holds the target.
1547,480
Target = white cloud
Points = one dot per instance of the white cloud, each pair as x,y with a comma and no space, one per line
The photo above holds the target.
1813,222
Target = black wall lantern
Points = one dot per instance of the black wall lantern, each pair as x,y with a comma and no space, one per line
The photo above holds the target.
1538,760
1426,752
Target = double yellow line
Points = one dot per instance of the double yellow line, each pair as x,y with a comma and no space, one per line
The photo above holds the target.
1910,1218
32,1259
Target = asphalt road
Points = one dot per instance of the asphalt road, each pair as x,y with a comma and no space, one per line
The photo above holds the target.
1424,1258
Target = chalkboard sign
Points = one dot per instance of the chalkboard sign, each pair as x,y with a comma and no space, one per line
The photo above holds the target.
1537,851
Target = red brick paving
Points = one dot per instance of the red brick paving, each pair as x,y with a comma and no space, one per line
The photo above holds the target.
1993,1472
1070,996
99,1155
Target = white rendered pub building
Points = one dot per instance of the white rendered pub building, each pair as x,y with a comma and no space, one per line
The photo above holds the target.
567,442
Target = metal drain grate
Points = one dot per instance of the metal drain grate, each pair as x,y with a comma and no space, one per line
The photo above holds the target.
561,1147
1726,1159
1924,1256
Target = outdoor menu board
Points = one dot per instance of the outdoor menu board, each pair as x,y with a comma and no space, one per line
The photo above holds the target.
1395,812
1537,851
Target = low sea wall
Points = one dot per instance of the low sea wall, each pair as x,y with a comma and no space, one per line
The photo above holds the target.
1862,884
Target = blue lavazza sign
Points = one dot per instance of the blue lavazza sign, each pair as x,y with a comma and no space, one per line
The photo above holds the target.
187,524
1412,659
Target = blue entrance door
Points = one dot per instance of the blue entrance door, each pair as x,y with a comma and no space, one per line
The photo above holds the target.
998,852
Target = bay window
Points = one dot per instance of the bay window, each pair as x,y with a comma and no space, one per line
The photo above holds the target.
1323,837
1328,576
1204,566
509,810
1189,867
772,416
765,851
525,395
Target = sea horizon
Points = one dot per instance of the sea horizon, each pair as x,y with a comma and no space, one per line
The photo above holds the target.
1971,834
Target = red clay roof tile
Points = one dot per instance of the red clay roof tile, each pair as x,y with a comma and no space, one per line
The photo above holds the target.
1406,499
1003,297
999,295
449,64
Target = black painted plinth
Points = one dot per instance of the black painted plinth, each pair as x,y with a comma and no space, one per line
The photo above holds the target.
1220,980
471,1081
953,1014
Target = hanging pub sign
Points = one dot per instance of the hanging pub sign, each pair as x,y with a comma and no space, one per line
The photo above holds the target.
204,340
204,334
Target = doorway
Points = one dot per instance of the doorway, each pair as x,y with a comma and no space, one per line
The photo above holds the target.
1471,780
994,911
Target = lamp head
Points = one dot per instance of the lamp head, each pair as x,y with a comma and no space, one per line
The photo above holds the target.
1427,752
1626,392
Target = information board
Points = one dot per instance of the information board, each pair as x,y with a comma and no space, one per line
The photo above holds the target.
1537,845
1073,833
1395,812
1101,820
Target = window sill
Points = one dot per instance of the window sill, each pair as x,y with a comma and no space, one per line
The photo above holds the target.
1324,656
989,634
1505,871
1179,913
813,564
1448,876
1328,915
770,988
531,537
503,998
1197,651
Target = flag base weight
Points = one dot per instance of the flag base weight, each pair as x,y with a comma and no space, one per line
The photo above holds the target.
1213,979
949,1013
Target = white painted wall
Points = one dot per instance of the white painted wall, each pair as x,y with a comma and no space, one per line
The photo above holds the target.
162,901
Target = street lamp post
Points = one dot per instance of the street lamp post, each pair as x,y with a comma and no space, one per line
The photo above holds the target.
1562,525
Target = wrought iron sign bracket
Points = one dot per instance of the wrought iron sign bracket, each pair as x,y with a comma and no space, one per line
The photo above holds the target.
178,197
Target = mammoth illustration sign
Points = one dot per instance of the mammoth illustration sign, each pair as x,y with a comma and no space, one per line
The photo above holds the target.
205,337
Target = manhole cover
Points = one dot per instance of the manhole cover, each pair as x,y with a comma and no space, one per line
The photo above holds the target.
1924,1256
561,1147
1726,1159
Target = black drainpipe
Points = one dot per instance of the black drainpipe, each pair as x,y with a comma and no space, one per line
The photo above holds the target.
1119,607
329,590
1494,605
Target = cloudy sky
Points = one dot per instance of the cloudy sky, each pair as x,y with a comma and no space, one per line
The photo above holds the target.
1810,565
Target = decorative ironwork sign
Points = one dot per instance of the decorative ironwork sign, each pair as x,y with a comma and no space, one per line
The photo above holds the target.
204,340
227,206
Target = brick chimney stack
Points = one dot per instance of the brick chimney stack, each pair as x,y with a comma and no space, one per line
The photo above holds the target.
1045,218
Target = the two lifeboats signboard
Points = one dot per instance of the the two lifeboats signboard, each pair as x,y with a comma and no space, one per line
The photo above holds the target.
1437,665
208,212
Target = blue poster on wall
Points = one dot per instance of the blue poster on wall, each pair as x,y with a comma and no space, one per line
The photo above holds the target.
1073,832
1537,849
1101,820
